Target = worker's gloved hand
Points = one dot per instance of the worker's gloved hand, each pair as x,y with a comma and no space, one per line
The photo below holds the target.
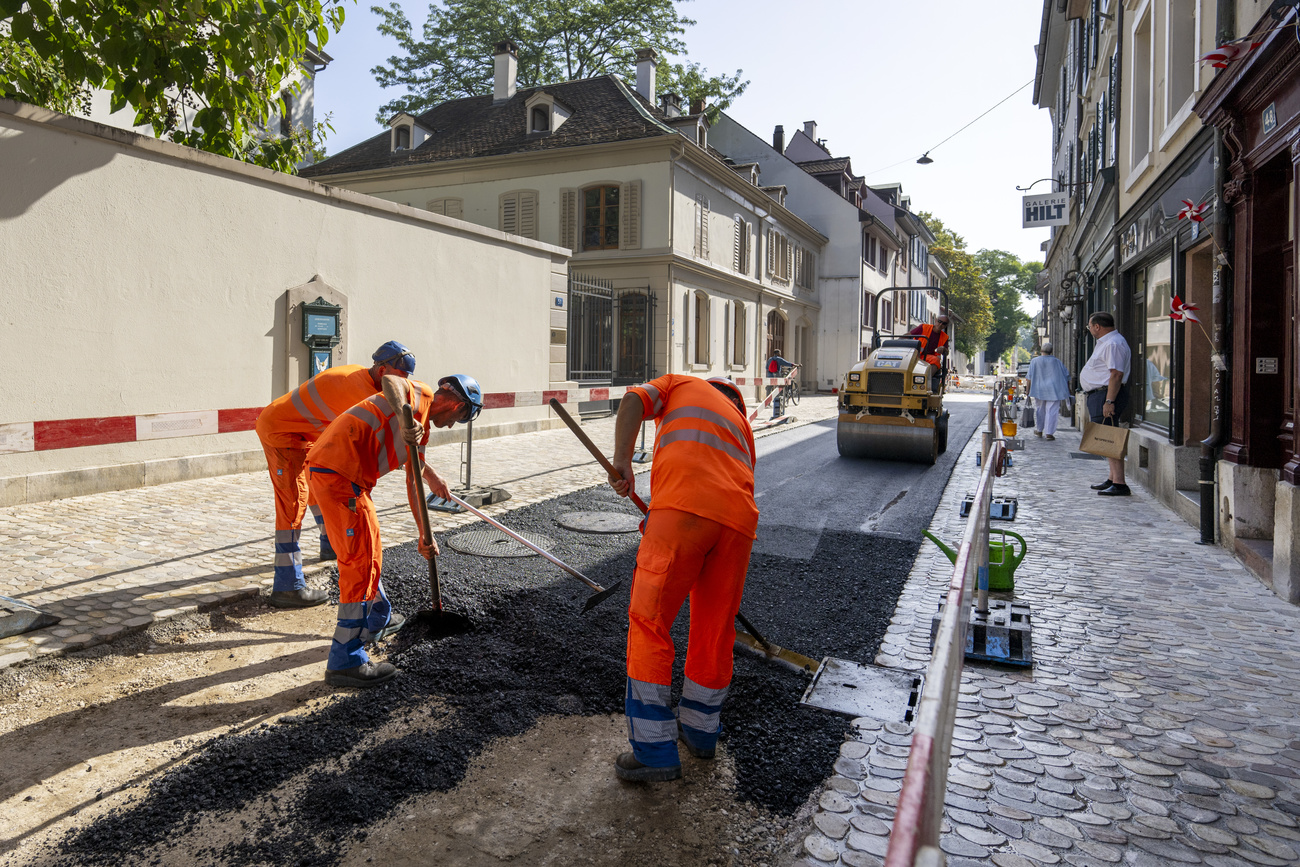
436,485
621,480
414,433
429,549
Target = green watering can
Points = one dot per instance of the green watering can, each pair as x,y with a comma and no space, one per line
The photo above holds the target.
1003,558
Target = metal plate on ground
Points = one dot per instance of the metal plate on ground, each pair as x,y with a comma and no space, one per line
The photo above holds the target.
1084,456
849,688
19,617
599,522
494,543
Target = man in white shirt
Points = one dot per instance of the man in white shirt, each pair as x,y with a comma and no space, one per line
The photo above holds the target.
1104,380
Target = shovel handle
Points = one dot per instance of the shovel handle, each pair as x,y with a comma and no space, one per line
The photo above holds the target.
415,468
595,451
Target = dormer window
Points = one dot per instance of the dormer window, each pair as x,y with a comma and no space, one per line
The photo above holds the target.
405,133
401,138
702,135
545,113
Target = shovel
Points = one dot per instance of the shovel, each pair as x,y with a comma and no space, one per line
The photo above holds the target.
443,621
754,641
599,594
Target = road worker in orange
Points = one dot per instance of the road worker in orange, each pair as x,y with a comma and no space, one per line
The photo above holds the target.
287,429
357,448
934,338
698,536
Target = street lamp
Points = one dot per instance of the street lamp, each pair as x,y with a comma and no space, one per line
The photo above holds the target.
925,159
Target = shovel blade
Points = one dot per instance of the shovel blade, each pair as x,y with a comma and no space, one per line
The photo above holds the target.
596,598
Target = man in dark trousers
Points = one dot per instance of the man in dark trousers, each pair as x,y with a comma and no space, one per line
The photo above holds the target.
1104,380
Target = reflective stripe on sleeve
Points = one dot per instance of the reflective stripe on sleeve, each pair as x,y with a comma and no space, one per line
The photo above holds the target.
327,415
310,417
656,400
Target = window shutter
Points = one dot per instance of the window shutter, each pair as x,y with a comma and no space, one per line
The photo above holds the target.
698,243
789,259
454,207
747,237
528,214
569,219
508,213
771,252
630,212
738,248
437,206
726,331
704,228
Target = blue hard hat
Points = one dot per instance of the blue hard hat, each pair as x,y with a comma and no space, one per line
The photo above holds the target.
467,388
395,355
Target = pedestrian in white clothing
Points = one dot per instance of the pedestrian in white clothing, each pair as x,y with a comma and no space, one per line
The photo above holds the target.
1104,379
1049,384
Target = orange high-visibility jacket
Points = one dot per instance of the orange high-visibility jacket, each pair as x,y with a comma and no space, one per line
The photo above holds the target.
295,420
366,441
935,339
704,452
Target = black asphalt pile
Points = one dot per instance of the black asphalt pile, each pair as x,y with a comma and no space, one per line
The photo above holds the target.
530,653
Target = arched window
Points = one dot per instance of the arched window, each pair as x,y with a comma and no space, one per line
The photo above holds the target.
540,119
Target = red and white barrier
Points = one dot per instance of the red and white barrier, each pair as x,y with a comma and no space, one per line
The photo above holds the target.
37,436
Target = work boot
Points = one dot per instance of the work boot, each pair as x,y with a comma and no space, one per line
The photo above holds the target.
303,597
691,748
628,768
395,624
1101,486
362,676
326,549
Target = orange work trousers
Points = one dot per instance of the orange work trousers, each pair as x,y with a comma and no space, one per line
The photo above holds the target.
289,479
686,555
353,528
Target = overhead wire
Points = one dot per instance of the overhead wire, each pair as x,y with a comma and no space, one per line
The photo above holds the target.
954,135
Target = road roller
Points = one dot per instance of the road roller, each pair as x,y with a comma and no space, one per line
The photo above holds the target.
891,403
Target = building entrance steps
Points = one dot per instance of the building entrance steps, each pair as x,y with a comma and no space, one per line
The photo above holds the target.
112,563
1160,721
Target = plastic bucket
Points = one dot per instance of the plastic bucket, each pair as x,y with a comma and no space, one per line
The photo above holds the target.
1008,428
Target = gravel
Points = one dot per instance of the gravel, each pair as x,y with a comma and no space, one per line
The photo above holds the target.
310,784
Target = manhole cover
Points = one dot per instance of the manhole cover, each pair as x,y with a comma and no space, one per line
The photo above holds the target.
599,522
494,543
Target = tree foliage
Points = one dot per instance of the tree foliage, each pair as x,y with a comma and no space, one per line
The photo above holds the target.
205,73
966,285
1009,281
558,40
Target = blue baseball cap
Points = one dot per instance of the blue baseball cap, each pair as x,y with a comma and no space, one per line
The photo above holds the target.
395,355
467,388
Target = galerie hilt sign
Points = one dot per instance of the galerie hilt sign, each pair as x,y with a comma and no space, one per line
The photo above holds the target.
1046,209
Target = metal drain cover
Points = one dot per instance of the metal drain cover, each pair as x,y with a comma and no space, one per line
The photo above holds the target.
849,688
494,543
599,522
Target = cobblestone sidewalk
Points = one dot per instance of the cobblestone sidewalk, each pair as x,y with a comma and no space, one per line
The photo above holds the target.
1161,720
110,563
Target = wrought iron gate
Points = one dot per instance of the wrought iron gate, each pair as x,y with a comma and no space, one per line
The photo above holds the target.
611,332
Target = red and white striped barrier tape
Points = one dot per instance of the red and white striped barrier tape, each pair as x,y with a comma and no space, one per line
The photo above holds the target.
39,436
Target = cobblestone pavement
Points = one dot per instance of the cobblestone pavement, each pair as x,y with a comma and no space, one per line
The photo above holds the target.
110,563
1160,723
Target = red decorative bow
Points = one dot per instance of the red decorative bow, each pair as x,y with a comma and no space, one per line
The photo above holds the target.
1179,311
1230,53
1193,211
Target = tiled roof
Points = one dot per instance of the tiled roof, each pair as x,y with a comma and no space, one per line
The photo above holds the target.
822,167
603,111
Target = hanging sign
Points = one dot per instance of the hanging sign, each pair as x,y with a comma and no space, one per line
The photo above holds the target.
1046,209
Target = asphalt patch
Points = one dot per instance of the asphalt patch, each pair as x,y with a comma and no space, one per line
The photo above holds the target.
315,782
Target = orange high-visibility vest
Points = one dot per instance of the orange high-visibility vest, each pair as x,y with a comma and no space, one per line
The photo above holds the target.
295,420
704,452
935,339
366,442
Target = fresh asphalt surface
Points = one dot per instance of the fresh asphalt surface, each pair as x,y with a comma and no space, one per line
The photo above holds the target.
837,538
804,488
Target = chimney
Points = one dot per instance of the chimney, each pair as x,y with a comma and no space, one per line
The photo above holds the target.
778,139
505,62
810,129
645,73
672,104
697,105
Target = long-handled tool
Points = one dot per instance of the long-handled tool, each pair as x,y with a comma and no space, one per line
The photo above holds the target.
599,594
754,640
446,621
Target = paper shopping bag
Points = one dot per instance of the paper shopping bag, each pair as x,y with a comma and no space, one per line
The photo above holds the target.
1107,440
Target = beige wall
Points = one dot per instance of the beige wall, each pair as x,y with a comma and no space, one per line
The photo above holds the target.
143,277
1172,127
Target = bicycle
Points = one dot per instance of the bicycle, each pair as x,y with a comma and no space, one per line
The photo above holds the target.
790,391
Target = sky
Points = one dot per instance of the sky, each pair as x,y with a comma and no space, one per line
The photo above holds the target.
884,80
